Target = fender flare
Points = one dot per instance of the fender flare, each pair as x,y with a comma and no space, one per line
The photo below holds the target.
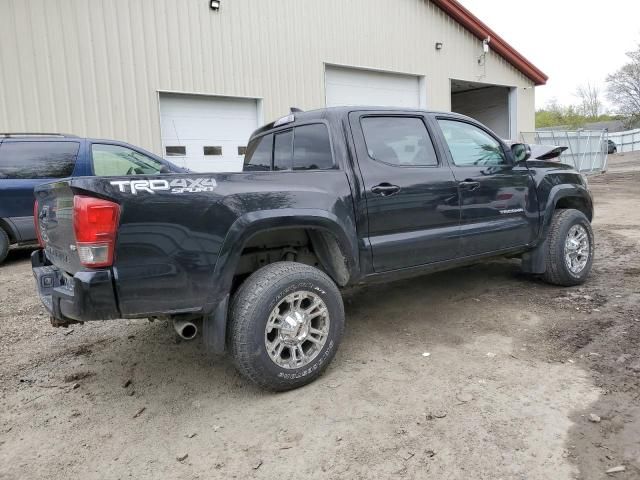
534,261
559,192
252,223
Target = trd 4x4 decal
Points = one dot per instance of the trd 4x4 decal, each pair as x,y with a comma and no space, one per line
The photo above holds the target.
178,185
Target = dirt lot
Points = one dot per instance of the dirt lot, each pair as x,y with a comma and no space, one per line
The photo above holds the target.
515,368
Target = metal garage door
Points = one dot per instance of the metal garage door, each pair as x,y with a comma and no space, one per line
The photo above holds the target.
206,133
352,86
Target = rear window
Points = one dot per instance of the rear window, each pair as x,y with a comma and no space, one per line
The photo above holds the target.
306,147
311,148
282,150
399,141
258,155
38,159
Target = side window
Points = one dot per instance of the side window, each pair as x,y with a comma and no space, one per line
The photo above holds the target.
38,159
282,150
114,160
312,148
470,145
258,155
399,141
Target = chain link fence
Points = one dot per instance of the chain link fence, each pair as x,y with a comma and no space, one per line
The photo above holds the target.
586,149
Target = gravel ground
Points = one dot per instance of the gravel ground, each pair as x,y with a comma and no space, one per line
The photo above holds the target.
521,381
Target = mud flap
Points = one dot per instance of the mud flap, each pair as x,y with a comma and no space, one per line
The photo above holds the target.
534,260
214,328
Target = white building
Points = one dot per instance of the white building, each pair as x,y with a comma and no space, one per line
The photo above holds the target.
191,82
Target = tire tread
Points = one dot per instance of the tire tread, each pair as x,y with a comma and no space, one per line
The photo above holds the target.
556,271
242,310
4,245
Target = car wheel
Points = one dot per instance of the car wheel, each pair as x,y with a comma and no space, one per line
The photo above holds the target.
287,320
570,248
4,245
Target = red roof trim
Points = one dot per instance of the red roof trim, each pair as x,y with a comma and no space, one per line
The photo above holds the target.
472,23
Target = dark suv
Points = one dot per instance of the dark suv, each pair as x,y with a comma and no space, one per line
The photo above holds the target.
27,160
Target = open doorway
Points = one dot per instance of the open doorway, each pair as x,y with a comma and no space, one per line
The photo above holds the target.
490,104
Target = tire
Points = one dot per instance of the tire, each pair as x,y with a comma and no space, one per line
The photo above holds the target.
4,245
558,271
280,285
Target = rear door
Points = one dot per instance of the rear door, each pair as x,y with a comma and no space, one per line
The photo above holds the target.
24,165
498,202
411,195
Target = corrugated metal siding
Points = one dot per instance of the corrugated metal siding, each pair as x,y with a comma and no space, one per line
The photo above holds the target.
94,68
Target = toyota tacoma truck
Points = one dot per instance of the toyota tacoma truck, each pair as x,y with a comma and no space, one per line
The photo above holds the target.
326,199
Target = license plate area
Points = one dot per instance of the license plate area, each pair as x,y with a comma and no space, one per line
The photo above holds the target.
47,278
67,283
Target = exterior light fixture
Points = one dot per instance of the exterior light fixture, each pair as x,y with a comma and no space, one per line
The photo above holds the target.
485,49
485,44
439,45
214,4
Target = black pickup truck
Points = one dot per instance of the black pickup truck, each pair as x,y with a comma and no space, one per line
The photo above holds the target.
327,199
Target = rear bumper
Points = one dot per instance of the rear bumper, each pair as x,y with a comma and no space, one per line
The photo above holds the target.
82,297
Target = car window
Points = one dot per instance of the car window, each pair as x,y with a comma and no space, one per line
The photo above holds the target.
312,148
258,154
399,141
470,145
282,150
38,159
114,160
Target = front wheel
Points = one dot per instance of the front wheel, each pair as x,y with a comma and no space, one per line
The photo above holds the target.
287,320
570,248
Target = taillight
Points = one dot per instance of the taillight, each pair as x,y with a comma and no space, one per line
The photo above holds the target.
36,221
95,222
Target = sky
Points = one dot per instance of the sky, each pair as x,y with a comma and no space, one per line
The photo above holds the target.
573,42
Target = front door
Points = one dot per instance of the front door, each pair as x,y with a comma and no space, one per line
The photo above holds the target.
411,195
498,207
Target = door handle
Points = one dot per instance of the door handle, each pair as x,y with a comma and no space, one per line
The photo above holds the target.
385,189
469,185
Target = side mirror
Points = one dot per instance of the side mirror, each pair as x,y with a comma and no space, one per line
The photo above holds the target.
521,152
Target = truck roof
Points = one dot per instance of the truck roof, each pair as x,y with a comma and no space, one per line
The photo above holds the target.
336,113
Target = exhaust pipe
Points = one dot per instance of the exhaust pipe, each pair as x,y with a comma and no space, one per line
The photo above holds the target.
186,329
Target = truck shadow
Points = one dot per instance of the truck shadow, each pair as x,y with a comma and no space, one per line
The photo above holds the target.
137,383
438,309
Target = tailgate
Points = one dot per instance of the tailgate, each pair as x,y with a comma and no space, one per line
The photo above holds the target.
54,218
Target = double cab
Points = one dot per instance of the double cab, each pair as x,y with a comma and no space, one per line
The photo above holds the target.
328,198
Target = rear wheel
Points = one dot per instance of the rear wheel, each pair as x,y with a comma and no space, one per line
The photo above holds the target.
287,320
570,248
4,245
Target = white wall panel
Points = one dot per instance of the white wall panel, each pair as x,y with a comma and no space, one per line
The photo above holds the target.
94,67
